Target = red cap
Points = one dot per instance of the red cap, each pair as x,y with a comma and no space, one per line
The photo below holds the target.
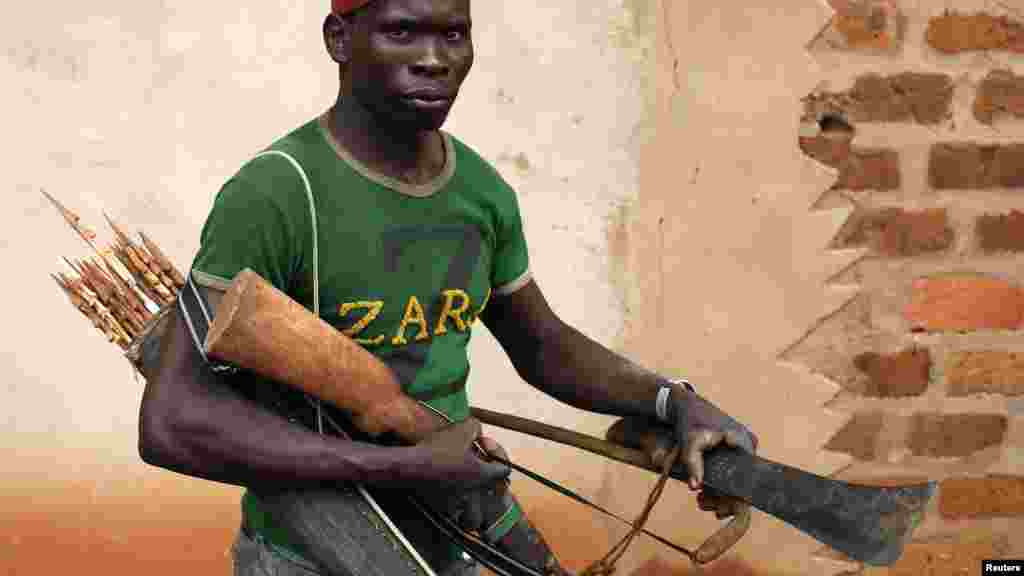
345,6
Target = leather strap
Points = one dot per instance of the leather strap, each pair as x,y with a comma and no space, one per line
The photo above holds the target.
567,492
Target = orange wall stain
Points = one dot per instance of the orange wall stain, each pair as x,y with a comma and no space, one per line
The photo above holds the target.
166,527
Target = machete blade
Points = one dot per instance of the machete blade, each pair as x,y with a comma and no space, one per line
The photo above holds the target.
869,524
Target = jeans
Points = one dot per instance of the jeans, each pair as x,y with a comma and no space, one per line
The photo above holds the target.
254,557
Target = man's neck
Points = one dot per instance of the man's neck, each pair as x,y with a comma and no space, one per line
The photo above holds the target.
414,157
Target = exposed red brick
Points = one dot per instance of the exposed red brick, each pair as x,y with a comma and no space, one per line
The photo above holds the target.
902,374
870,170
955,32
859,169
906,97
955,435
829,148
987,497
990,372
1001,232
865,25
859,437
1001,92
827,348
972,166
948,557
964,302
895,232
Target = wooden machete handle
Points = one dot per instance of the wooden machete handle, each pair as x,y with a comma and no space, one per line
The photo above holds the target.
657,442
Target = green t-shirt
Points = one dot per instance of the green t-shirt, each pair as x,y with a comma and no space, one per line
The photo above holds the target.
404,270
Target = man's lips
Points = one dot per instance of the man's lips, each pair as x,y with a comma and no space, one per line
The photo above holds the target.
428,100
428,97
432,93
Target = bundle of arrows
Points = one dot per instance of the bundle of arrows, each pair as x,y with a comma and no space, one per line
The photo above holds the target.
122,286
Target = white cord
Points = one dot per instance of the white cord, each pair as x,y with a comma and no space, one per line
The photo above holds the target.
319,407
394,529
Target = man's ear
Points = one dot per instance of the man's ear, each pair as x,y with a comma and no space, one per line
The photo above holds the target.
338,37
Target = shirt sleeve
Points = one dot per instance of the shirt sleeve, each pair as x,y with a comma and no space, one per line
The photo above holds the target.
254,223
511,259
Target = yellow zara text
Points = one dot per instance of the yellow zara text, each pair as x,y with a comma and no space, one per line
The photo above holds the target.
455,314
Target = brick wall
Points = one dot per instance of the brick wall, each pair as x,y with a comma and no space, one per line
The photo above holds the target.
925,134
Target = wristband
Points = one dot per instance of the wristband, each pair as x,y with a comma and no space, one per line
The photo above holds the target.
661,403
685,384
504,524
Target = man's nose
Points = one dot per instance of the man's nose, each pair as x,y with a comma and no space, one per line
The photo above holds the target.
433,60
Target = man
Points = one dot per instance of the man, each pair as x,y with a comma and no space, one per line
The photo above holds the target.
401,236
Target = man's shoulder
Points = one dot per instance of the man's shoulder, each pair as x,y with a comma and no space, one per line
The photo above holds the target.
274,175
302,144
473,164
282,159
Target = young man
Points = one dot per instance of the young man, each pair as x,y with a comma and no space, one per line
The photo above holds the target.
416,237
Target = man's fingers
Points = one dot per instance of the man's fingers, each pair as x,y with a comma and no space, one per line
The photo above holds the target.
734,439
698,442
473,428
739,439
711,501
493,448
494,472
731,438
489,444
460,434
660,449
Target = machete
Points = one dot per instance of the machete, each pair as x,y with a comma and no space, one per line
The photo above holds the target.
869,524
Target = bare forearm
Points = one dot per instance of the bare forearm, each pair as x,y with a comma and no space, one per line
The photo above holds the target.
235,441
195,423
198,423
579,371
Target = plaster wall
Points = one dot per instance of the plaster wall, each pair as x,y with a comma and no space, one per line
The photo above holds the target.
731,261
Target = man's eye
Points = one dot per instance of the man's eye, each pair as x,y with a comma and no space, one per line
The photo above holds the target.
455,35
398,33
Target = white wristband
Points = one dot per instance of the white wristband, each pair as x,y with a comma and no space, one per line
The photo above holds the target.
661,404
685,384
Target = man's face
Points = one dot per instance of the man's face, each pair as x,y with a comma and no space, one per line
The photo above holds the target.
408,59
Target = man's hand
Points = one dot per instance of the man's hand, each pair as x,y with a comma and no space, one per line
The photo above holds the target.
723,506
459,475
448,460
700,426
